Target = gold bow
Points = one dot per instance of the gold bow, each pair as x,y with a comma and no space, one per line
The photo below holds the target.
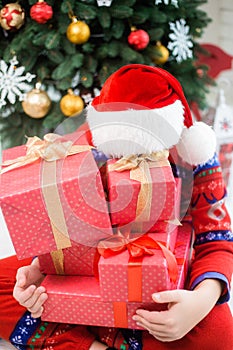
51,148
139,167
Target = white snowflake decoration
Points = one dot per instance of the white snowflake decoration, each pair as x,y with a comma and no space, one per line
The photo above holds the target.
12,82
107,3
87,98
166,2
180,43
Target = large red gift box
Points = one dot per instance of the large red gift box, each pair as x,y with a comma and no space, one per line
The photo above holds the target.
124,193
77,299
49,204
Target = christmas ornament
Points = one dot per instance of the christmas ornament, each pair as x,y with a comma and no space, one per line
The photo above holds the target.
12,16
180,43
104,3
41,12
36,103
78,32
160,54
12,82
166,2
71,104
138,39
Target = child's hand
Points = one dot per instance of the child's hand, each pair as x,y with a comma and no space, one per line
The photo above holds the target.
27,290
185,310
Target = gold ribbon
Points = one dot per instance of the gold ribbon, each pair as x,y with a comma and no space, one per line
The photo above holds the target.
139,167
58,261
51,148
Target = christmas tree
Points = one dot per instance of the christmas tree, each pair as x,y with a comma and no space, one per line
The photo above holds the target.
55,55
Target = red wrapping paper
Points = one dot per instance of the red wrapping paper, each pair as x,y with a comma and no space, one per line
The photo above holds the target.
80,195
115,272
123,195
77,299
168,226
76,260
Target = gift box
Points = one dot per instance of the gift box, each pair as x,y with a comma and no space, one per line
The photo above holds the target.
120,271
51,201
141,194
77,299
167,226
83,260
76,260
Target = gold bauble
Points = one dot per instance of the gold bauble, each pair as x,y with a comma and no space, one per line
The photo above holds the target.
36,103
160,54
71,104
78,32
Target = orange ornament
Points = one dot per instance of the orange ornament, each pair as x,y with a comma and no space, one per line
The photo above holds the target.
71,104
78,32
160,54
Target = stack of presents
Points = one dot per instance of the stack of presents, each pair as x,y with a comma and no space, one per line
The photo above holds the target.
107,234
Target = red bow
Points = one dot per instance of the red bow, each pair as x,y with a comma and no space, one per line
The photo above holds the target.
138,247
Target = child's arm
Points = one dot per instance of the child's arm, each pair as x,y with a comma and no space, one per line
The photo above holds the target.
185,310
211,268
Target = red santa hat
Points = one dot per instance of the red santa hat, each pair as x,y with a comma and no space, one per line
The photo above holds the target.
142,109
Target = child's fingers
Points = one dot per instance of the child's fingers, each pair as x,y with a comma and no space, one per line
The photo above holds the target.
22,295
38,313
30,295
37,308
21,277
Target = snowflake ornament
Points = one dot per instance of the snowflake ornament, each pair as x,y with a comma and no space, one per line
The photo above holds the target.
87,97
166,2
13,82
180,43
107,3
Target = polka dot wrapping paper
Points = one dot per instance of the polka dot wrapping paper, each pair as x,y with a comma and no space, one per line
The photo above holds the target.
46,205
114,273
123,195
78,300
76,260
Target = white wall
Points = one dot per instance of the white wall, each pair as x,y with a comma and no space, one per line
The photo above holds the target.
220,31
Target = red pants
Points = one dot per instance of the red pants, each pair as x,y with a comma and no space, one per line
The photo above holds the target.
215,332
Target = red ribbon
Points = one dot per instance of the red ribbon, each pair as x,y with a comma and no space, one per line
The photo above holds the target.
137,248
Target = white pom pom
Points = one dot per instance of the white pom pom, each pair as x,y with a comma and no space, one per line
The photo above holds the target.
197,144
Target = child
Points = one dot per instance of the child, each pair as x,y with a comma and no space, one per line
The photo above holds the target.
199,317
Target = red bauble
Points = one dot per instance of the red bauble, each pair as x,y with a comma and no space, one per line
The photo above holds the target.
41,12
12,16
138,39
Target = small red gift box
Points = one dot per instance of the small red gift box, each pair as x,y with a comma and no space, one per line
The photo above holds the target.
49,203
77,299
139,195
120,272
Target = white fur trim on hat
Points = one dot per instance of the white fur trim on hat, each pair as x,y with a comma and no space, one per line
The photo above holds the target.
135,131
197,144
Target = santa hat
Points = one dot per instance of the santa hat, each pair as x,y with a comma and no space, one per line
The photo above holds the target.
142,109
